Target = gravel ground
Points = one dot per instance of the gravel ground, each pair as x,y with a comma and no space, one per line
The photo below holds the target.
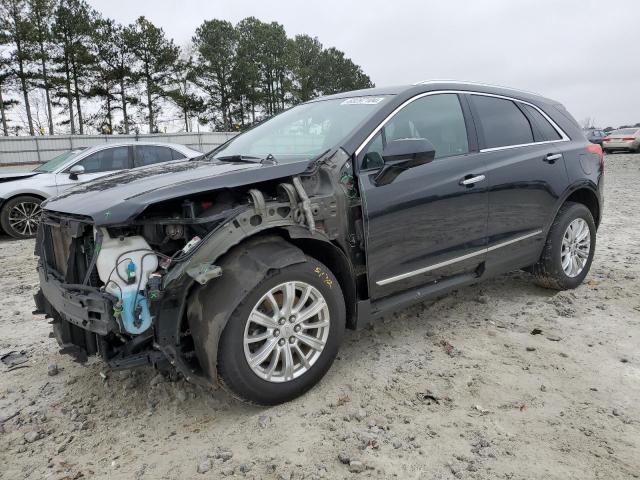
498,380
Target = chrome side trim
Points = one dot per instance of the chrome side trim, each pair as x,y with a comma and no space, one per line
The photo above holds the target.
402,276
565,137
413,273
514,240
509,147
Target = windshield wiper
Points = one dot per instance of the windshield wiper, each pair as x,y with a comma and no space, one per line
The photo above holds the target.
270,159
239,158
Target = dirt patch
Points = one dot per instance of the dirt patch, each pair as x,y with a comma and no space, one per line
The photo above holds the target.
500,380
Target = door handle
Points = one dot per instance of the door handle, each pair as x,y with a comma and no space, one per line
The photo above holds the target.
471,180
552,157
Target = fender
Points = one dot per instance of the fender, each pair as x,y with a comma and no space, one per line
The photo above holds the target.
210,306
574,187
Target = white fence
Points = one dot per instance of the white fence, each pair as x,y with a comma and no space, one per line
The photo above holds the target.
18,150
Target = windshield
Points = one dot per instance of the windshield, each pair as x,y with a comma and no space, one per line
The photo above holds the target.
303,131
56,162
624,131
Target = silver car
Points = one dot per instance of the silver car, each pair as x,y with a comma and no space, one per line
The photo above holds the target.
623,139
22,192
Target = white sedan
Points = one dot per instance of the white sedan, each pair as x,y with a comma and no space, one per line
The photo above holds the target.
22,192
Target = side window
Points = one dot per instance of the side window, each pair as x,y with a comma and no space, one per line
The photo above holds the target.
502,122
437,118
150,154
176,155
106,160
373,156
547,130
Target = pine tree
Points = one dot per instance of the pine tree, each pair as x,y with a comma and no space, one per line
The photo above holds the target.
71,29
112,71
216,42
5,83
155,55
182,92
16,29
305,55
40,18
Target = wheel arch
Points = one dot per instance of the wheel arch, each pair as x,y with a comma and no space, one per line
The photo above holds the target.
210,306
333,257
585,194
38,195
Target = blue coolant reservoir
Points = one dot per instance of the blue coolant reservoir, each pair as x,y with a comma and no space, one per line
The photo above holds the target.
136,317
124,265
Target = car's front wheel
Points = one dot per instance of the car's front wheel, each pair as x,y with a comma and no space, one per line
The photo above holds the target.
568,251
20,216
284,335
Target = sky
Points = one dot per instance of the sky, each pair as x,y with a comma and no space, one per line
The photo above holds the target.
583,53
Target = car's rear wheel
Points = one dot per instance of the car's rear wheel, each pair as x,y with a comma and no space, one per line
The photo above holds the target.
284,335
20,216
568,251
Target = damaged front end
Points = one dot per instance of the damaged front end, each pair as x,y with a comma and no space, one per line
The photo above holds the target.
132,292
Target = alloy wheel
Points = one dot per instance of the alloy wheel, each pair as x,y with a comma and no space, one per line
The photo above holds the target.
286,332
24,218
576,246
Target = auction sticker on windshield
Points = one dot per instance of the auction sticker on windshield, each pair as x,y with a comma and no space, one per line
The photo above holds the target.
362,101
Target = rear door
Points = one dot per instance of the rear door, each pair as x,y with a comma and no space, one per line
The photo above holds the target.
425,225
152,154
526,174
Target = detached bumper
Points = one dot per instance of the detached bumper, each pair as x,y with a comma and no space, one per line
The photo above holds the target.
84,307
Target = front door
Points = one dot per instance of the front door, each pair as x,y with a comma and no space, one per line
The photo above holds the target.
429,223
97,165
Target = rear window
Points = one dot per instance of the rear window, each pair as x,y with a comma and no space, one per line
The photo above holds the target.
502,122
545,128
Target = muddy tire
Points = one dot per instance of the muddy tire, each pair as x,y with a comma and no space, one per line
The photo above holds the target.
284,335
20,216
568,252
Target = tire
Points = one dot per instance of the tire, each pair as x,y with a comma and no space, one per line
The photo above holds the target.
235,373
606,151
549,271
26,206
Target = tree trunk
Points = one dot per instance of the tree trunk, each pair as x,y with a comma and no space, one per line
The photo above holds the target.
186,120
124,107
149,101
5,130
45,78
23,80
25,93
109,121
77,95
69,94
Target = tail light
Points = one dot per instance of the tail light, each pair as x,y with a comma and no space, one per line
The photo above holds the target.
597,150
629,139
606,139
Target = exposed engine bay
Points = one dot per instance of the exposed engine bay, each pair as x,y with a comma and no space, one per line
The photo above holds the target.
133,285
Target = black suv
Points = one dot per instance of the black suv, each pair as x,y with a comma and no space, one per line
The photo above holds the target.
244,266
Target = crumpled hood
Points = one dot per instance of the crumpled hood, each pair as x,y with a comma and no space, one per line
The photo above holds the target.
11,176
117,198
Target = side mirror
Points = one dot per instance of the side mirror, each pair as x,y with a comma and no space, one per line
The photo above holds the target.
75,171
401,155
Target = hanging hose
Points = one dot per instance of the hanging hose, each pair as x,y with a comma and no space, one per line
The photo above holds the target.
306,204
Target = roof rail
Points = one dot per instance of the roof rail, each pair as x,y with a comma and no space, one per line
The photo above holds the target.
480,84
